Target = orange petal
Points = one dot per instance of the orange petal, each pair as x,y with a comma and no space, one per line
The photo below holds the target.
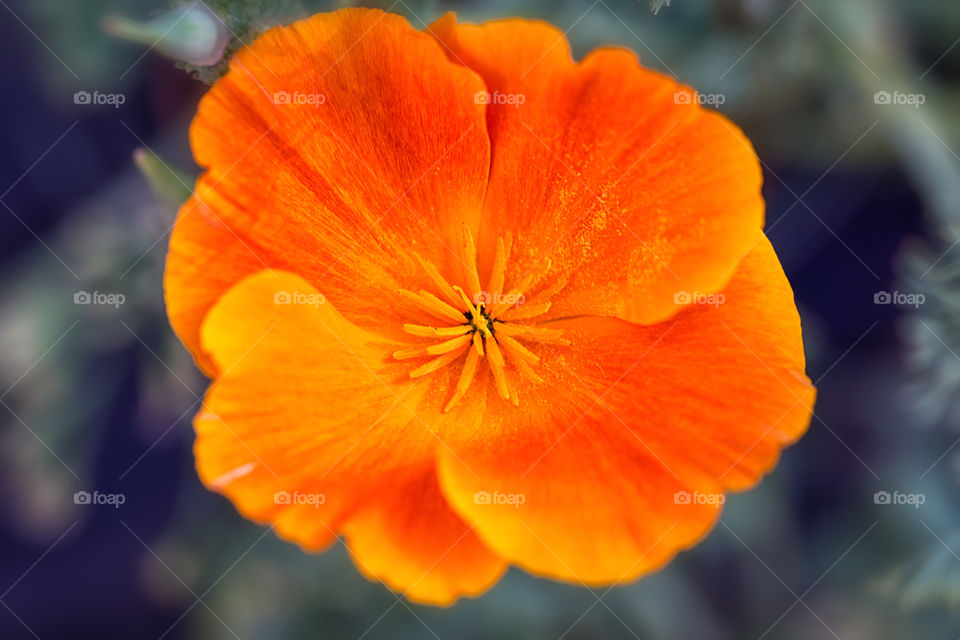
311,408
627,417
411,540
609,170
335,148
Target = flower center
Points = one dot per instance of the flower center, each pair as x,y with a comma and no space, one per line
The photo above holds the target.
482,322
476,324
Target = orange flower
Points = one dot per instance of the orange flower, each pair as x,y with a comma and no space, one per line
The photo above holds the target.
468,303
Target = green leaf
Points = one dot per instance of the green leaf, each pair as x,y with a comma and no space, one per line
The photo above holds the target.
169,185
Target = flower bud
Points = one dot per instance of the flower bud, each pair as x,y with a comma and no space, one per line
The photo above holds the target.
193,34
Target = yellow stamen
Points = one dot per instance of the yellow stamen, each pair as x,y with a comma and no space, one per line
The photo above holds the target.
459,330
477,344
517,350
439,280
465,300
410,352
471,325
469,250
436,363
449,345
525,284
534,333
431,332
466,377
431,304
497,366
555,288
525,311
479,321
499,272
528,372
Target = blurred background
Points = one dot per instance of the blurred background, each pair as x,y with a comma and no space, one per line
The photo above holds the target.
854,108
